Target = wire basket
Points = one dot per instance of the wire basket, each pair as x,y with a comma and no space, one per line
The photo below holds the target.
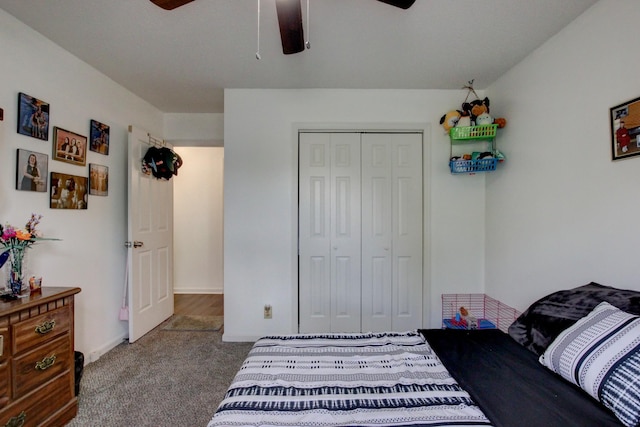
473,166
473,132
490,312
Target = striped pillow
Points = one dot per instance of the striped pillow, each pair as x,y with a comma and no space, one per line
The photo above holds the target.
601,354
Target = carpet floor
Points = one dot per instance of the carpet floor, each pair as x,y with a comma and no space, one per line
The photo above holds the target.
166,378
184,322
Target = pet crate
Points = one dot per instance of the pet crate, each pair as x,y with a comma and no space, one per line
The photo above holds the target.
489,312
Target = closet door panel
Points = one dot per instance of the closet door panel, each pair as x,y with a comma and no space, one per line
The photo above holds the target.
346,235
314,229
407,231
376,233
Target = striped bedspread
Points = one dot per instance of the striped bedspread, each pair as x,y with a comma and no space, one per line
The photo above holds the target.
375,379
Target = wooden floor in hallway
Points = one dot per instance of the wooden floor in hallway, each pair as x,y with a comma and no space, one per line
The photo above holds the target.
199,304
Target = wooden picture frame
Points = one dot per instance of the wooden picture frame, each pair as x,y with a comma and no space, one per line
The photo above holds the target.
99,138
68,191
98,180
625,129
33,117
69,147
32,171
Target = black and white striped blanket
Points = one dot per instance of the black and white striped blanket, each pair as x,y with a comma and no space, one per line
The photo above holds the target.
375,379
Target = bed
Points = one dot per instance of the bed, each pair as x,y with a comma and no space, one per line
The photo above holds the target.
445,377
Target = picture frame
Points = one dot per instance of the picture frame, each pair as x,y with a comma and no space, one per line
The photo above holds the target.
32,171
69,147
33,117
98,180
99,137
68,191
625,129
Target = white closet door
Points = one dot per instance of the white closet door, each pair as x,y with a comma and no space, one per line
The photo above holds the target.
407,232
377,233
391,232
329,232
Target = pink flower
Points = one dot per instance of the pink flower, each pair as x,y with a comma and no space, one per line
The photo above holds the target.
8,233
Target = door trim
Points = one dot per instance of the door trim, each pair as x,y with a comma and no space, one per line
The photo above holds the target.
428,303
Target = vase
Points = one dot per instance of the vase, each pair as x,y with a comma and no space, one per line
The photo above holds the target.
15,283
16,269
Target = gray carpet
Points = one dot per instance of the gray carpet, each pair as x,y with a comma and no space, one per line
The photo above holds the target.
183,322
166,378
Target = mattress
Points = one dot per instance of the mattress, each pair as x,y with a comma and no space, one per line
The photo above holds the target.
375,379
509,383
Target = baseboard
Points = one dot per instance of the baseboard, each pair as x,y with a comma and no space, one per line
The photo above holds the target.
96,354
192,291
240,338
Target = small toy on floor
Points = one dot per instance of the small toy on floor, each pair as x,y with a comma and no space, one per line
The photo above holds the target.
465,320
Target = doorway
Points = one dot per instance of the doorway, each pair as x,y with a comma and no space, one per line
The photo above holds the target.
198,221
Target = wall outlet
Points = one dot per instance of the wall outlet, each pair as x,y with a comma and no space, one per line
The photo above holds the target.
267,311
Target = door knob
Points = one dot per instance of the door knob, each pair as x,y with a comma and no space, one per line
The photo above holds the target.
135,244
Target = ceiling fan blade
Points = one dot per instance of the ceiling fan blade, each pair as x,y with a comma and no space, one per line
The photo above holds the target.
403,4
290,22
170,4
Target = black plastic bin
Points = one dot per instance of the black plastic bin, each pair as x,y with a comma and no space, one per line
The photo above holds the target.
78,371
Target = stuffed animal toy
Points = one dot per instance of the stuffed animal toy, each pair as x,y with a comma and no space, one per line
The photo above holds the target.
476,107
484,119
450,119
501,122
465,120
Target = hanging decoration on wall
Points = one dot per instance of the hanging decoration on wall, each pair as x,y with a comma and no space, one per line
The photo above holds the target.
161,162
33,117
625,129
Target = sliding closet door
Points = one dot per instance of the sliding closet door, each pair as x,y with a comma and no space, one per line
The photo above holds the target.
329,232
391,231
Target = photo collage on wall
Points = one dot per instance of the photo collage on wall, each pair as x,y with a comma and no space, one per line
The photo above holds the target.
67,190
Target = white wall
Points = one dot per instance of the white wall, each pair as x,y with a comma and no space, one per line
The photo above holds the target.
260,197
91,254
197,217
194,129
560,213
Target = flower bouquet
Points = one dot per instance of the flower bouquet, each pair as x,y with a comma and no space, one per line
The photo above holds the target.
13,244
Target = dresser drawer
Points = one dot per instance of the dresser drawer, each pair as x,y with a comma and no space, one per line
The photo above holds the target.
36,330
40,405
38,366
5,344
5,385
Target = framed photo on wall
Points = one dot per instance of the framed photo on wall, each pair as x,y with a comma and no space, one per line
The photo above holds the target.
98,180
99,137
69,147
32,171
33,117
625,129
68,191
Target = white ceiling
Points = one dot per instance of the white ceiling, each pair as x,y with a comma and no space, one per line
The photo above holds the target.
180,61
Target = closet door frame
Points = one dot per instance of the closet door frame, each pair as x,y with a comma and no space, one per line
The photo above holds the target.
429,304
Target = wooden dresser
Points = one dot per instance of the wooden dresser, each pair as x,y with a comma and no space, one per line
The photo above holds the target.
37,359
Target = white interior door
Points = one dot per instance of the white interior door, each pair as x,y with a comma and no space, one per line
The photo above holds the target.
407,231
360,231
150,230
391,231
329,232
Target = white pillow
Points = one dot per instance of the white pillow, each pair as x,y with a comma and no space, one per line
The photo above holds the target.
601,354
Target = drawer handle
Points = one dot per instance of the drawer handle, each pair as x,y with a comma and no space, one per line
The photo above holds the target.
17,421
46,363
46,327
